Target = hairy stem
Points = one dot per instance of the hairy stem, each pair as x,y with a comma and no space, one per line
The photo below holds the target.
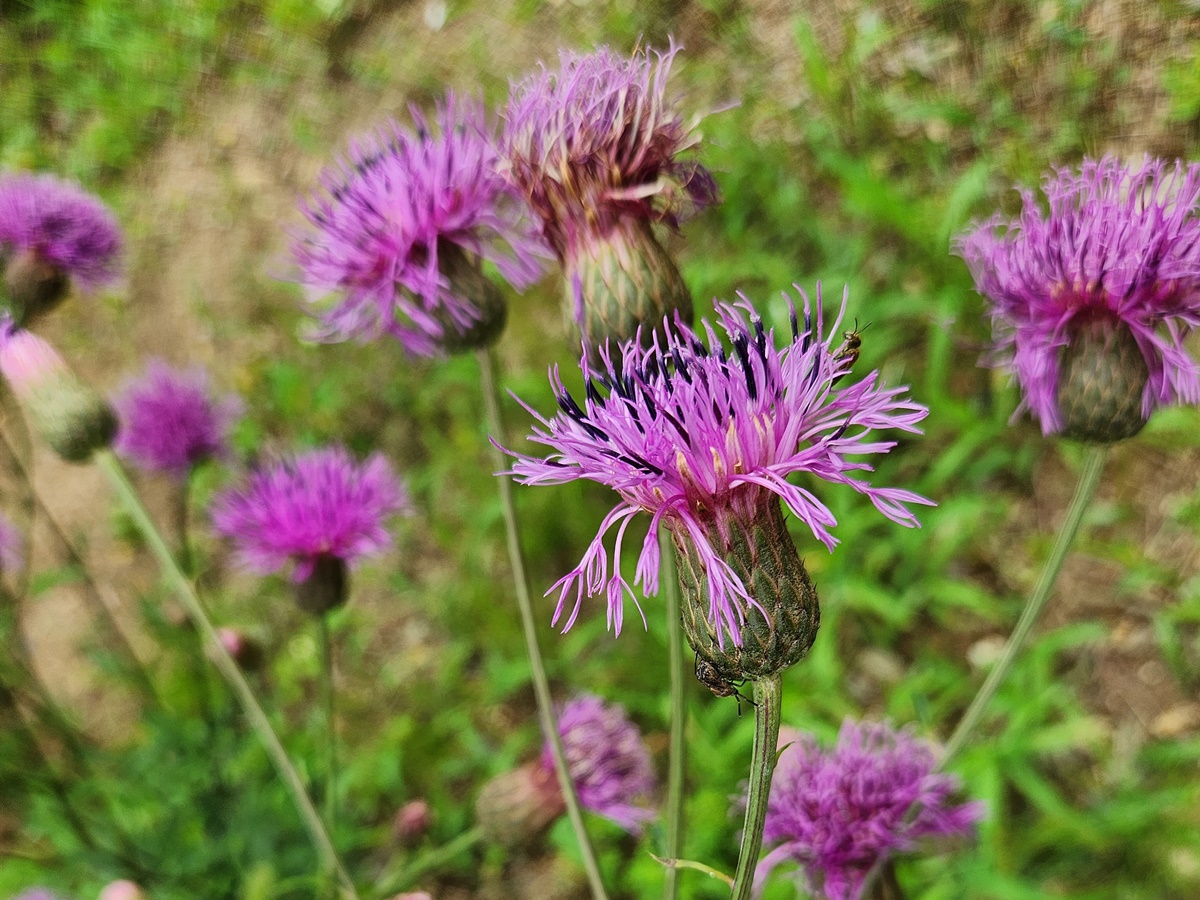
669,581
541,686
227,667
767,695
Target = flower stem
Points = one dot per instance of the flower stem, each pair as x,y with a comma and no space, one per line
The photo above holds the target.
429,862
767,696
541,686
669,579
1089,478
330,723
227,667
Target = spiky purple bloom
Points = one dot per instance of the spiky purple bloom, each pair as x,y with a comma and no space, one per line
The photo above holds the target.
608,760
1118,248
837,812
12,546
703,440
597,141
320,504
170,421
62,224
401,225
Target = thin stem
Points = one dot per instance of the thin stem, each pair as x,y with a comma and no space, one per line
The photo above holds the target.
330,723
429,862
182,515
767,696
1089,478
227,667
541,686
669,580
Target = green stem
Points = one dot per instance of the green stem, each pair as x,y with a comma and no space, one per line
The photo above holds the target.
227,667
327,699
541,686
767,695
669,581
1089,478
430,862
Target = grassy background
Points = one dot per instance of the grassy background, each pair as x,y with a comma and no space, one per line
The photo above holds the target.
860,138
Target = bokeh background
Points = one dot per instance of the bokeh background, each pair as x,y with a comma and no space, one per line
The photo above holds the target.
851,140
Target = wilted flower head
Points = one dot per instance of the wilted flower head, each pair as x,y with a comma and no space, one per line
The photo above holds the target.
72,418
12,546
319,510
1092,300
170,421
703,440
52,231
402,226
596,148
608,760
838,812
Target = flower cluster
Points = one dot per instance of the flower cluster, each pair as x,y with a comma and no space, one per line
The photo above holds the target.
170,421
1118,253
839,812
402,225
700,438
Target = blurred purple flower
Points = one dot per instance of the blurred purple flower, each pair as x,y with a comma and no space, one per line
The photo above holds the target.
12,546
37,893
838,812
315,505
1119,248
596,141
608,760
395,220
701,439
170,420
65,226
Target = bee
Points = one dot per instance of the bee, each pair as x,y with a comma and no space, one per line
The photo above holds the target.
850,349
707,675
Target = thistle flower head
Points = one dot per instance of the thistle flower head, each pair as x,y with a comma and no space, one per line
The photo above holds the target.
401,227
310,509
598,140
12,546
64,226
837,812
1091,300
170,420
608,760
703,439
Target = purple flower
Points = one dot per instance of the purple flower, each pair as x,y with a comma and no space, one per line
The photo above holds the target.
37,893
703,440
62,225
170,420
12,546
313,506
598,141
1118,251
608,760
402,225
838,812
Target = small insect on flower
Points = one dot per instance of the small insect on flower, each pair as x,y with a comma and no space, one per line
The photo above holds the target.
847,354
707,675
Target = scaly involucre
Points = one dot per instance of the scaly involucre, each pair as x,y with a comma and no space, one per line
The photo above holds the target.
838,812
170,420
389,213
691,433
608,760
1118,243
12,546
598,140
67,227
320,503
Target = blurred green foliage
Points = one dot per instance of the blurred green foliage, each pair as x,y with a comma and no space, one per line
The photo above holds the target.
851,157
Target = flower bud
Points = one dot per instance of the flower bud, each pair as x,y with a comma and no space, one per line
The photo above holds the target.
34,285
514,808
761,553
122,890
1102,382
621,282
412,822
466,278
325,588
72,418
246,652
